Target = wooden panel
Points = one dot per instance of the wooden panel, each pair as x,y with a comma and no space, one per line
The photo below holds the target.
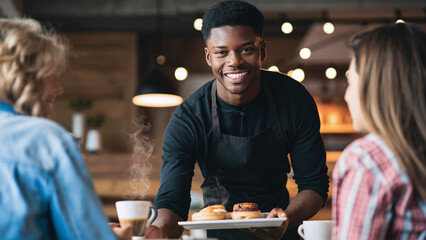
101,64
102,68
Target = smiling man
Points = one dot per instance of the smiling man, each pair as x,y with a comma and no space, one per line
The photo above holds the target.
239,128
235,54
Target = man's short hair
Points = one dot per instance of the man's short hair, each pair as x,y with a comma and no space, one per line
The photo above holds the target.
232,13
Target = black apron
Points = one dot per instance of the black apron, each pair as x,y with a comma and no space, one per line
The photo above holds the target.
247,169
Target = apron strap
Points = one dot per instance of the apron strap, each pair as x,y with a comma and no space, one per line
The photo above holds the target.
211,168
215,117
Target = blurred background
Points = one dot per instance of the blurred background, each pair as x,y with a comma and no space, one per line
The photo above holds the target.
116,46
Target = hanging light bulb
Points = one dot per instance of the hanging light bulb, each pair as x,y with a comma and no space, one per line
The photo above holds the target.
156,90
181,73
298,74
328,27
398,16
305,53
331,73
198,24
287,28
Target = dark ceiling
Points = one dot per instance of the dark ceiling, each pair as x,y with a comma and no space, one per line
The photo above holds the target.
178,15
142,16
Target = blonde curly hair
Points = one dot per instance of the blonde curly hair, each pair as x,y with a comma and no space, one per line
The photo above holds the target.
29,55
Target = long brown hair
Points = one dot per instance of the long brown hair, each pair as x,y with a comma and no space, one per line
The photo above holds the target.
391,62
29,55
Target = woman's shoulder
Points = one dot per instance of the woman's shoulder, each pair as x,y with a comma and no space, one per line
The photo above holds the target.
369,153
37,142
369,146
39,124
43,132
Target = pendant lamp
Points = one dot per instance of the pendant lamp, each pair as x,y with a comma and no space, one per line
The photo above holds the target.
155,89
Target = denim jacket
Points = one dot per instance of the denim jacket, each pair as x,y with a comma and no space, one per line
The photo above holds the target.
45,188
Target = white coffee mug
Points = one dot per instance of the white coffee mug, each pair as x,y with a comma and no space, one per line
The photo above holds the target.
137,238
138,214
316,230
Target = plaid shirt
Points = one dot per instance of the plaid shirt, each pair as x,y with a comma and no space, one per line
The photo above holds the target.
373,198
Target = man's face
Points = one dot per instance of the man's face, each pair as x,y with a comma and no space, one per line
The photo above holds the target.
235,54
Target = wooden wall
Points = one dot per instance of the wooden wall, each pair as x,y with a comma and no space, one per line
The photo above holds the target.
103,69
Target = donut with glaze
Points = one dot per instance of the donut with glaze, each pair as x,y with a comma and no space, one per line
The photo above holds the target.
245,211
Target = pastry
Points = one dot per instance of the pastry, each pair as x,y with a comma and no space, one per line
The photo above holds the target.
245,211
214,212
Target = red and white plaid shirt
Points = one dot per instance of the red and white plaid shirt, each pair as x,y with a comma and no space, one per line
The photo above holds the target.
373,197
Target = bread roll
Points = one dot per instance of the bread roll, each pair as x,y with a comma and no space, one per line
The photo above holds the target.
214,212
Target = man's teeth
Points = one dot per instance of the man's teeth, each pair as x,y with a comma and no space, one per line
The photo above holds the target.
236,75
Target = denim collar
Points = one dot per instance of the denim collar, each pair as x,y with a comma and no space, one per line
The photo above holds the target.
6,107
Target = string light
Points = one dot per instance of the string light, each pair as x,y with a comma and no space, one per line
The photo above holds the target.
287,28
298,74
328,27
331,73
273,68
305,53
198,24
181,73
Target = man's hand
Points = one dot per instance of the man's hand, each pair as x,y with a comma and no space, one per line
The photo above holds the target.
122,233
271,233
165,225
278,213
154,232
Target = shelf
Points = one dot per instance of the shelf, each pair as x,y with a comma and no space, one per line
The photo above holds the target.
337,128
333,156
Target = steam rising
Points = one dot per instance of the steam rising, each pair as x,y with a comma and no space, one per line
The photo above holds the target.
216,193
138,173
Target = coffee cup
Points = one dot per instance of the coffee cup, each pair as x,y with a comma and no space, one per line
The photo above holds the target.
137,238
138,214
316,229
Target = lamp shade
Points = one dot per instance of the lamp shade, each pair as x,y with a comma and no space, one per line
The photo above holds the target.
156,90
